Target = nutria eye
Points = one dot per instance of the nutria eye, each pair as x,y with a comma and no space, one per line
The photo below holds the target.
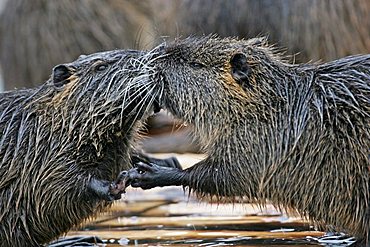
196,65
101,67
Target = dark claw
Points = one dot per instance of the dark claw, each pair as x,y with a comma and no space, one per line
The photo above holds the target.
145,167
122,176
114,192
109,191
174,163
169,162
149,172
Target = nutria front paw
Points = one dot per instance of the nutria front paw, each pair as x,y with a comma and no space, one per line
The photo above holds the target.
149,175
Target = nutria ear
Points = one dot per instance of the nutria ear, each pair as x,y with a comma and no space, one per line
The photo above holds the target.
240,70
60,74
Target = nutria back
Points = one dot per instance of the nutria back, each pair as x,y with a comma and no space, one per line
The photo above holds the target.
297,136
57,139
312,30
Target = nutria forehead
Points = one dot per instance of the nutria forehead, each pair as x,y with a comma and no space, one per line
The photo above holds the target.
213,51
212,43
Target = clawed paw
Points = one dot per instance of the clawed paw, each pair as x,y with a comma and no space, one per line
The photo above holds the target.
149,175
143,175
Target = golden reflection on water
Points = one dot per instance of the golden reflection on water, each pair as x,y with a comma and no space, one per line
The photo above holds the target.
182,221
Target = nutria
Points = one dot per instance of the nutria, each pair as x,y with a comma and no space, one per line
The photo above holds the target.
313,30
62,144
297,136
35,35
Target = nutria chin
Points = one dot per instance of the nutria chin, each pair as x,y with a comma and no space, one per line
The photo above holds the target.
297,136
64,143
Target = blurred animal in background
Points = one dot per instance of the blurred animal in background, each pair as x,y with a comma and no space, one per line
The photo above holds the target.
312,29
41,33
36,35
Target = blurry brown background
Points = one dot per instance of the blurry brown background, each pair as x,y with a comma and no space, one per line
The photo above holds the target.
39,34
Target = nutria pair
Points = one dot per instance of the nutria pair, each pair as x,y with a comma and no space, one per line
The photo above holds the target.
294,135
63,144
297,136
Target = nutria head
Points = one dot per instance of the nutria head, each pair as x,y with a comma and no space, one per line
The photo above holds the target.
104,86
213,83
94,100
55,138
